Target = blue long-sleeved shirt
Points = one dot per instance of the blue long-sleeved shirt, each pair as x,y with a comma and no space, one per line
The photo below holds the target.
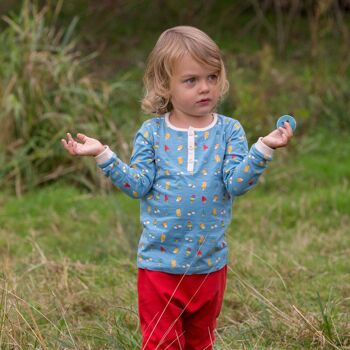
187,180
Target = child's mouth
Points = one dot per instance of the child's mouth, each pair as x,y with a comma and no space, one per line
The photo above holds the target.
204,101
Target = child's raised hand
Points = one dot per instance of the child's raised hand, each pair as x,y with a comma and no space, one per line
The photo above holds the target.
86,147
279,137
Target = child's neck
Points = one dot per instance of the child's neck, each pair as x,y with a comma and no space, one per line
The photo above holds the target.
184,122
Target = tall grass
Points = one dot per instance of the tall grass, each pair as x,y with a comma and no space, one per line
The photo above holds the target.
45,92
46,88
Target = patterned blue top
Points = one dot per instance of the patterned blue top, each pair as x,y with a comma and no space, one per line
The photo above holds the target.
187,180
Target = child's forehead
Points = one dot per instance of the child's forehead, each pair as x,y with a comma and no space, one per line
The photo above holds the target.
188,65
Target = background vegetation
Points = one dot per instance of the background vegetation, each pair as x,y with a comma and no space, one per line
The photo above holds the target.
68,243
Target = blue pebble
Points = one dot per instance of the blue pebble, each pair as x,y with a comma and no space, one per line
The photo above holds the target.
286,118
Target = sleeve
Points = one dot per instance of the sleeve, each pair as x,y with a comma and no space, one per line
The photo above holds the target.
242,169
137,178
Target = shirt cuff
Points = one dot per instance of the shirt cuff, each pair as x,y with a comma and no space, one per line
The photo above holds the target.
104,155
264,149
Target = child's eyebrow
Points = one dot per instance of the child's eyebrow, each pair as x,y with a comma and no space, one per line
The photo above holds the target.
187,75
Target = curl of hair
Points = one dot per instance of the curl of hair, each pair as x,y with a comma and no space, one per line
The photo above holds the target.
171,46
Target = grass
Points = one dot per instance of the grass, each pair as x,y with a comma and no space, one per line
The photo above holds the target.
67,255
68,277
77,67
46,91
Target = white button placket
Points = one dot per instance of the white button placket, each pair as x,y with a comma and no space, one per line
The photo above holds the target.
190,158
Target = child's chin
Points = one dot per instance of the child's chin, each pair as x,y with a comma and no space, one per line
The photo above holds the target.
205,108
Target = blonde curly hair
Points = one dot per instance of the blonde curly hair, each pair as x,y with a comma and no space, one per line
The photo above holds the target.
171,46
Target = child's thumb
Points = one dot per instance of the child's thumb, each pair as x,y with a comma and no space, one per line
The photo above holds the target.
82,137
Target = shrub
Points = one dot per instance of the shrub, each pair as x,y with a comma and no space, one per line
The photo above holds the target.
45,92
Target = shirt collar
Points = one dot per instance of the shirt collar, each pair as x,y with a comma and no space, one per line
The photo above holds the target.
167,121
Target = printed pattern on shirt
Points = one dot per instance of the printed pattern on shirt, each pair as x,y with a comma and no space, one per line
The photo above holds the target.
185,210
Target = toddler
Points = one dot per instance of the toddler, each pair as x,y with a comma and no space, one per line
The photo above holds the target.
187,167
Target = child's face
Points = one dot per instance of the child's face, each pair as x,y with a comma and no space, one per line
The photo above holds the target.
194,88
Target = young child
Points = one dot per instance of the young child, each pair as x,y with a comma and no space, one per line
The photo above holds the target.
187,167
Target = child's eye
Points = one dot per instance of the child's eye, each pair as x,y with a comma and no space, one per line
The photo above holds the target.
212,77
190,80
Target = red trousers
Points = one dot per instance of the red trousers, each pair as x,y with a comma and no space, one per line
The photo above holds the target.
179,311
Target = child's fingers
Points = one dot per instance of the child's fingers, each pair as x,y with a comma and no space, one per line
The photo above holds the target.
68,146
282,130
75,147
289,132
65,144
289,129
69,137
81,137
285,135
72,145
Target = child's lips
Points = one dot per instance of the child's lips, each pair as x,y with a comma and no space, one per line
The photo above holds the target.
203,101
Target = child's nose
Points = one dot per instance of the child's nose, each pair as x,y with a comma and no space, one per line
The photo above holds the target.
204,86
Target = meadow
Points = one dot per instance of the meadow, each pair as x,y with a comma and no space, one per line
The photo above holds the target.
68,277
68,240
